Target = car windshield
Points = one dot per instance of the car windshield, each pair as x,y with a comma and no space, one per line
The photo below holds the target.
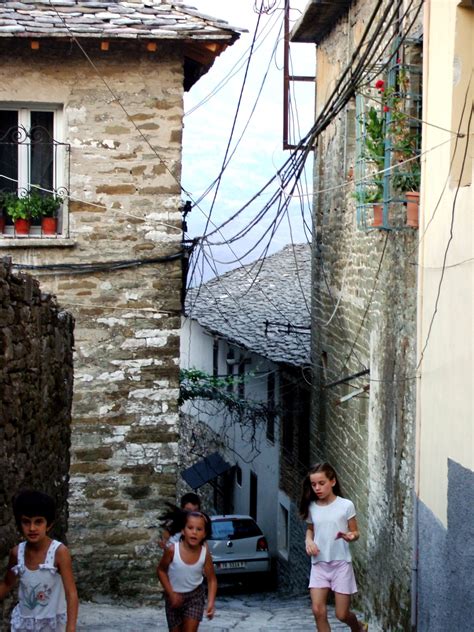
235,529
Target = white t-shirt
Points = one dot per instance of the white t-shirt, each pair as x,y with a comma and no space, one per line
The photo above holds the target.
327,520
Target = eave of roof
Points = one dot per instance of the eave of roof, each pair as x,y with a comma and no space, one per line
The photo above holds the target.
121,21
111,19
317,20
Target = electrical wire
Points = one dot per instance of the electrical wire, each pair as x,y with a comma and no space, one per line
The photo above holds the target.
277,218
102,207
234,123
102,266
249,118
327,114
448,244
236,68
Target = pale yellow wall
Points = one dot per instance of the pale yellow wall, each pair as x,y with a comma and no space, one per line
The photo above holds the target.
445,388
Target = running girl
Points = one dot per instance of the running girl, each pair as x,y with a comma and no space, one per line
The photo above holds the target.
331,526
47,593
181,572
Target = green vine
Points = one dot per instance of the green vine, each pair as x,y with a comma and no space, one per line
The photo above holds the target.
199,385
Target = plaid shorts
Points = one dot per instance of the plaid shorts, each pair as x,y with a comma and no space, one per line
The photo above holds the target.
191,608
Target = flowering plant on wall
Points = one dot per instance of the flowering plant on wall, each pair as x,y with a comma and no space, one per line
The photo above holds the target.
403,136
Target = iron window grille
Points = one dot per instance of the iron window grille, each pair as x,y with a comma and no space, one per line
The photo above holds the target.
394,111
31,159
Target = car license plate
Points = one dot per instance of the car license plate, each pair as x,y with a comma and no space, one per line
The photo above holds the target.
223,565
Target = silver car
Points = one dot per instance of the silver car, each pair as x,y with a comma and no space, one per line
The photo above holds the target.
238,547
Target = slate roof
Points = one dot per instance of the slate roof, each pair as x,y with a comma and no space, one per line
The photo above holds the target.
276,290
111,19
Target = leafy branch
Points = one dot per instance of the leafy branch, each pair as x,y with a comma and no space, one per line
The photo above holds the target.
199,385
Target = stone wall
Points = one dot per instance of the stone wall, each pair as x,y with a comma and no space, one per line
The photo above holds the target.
364,316
125,164
36,380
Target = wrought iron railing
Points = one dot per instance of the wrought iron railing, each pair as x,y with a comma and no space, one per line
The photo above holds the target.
32,160
388,140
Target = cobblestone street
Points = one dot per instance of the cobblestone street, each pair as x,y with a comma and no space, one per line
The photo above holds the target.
264,612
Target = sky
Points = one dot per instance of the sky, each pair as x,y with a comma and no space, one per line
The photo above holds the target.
208,122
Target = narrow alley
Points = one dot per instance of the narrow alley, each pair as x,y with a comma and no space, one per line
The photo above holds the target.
263,612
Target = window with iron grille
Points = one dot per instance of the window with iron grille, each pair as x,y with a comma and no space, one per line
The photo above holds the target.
33,164
388,142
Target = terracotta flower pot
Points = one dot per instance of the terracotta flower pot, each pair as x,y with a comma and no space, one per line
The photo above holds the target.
378,215
413,203
22,226
49,225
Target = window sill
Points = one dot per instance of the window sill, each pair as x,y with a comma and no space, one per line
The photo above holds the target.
55,241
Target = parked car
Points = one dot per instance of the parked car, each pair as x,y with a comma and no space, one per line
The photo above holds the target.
239,549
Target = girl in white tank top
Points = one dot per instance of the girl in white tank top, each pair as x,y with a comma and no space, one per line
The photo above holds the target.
181,572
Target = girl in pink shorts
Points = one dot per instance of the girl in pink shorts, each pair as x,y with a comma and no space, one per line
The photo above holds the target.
331,526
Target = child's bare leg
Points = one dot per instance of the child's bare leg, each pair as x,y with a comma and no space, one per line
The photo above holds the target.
319,598
190,625
344,614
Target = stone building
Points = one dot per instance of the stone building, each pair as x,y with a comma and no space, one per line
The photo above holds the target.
252,326
368,100
91,106
36,379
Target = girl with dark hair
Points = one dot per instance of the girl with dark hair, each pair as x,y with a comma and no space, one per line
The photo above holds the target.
181,572
47,593
331,525
174,518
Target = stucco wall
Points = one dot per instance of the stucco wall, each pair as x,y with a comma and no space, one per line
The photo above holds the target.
364,316
445,557
36,378
125,204
445,337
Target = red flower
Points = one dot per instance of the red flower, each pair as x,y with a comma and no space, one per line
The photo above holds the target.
386,108
380,85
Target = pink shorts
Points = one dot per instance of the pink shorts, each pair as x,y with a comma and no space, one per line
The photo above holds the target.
337,575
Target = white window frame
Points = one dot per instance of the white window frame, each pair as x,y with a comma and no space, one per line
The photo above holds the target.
59,173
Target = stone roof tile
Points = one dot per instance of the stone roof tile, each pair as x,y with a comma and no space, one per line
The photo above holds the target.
151,19
276,290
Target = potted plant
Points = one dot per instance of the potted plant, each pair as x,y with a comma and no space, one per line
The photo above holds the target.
372,194
374,154
48,206
19,209
406,180
404,141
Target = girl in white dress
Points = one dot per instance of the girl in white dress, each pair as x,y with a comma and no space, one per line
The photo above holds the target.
47,591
